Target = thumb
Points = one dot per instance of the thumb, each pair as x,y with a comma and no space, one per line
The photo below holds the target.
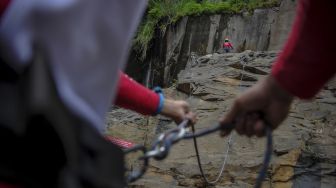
191,117
227,120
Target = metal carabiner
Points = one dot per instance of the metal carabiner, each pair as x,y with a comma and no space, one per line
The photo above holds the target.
180,135
156,147
135,175
163,149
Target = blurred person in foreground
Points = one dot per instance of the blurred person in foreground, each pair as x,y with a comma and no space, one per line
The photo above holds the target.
303,67
60,68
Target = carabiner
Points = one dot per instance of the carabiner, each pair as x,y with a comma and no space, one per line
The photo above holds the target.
135,175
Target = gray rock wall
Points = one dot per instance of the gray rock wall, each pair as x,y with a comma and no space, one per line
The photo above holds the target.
265,29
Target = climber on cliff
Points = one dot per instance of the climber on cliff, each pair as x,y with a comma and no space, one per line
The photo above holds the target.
227,46
300,71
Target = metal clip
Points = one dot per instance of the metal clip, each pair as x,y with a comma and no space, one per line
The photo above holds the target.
136,174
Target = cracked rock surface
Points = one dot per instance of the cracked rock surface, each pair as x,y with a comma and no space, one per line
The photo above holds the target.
304,153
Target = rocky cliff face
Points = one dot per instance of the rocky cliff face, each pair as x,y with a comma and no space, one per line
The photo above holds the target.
264,29
304,145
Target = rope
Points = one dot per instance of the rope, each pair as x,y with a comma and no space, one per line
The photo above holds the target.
161,147
267,158
266,161
200,164
226,154
165,141
230,140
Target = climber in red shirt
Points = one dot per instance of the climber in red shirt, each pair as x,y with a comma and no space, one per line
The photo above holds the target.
227,46
300,71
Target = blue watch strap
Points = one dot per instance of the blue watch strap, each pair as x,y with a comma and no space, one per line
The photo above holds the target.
158,90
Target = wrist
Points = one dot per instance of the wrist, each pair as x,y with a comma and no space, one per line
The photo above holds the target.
277,91
168,108
160,107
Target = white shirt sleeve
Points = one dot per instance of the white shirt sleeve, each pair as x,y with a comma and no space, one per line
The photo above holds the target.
87,42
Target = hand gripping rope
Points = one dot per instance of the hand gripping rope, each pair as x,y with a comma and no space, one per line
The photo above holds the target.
161,147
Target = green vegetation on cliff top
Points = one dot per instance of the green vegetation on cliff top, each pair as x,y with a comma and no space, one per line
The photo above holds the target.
161,13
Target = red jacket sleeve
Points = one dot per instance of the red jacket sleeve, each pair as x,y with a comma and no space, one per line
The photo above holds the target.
230,45
131,95
307,61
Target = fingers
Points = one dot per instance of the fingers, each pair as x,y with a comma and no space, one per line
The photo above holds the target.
249,127
240,125
250,124
188,114
191,117
230,118
233,113
259,128
179,110
246,125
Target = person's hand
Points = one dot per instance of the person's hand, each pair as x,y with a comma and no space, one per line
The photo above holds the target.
178,111
266,99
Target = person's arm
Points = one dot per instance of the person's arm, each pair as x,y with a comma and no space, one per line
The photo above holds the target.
230,45
307,61
132,95
304,66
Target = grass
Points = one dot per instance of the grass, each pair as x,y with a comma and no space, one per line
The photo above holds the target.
161,13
